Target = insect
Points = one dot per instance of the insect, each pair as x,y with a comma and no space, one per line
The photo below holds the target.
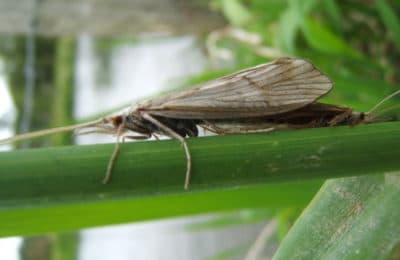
278,95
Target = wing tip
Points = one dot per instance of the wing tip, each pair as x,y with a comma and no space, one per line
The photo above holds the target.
289,60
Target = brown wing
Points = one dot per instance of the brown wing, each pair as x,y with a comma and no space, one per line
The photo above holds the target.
272,88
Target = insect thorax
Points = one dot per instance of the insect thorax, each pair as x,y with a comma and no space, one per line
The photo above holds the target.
136,123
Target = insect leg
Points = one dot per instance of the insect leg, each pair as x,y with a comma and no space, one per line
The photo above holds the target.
236,128
114,154
339,118
212,128
173,134
94,131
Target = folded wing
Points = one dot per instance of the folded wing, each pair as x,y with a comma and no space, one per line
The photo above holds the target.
272,88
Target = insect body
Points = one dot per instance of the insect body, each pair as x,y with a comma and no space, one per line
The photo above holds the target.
311,116
278,95
266,90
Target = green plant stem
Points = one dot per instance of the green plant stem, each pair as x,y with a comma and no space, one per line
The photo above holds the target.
63,88
65,182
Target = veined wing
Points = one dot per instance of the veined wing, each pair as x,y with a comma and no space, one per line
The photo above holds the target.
272,88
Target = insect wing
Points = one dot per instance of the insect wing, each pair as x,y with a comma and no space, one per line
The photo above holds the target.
272,88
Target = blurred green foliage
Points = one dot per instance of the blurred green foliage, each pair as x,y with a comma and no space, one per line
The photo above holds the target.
357,43
338,36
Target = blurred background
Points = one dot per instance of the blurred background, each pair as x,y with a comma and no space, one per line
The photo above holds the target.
63,62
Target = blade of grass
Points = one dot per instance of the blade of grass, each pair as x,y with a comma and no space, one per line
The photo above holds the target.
346,218
390,19
333,10
55,213
322,38
59,188
218,161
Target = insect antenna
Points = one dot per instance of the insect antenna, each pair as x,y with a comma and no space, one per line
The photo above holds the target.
372,114
45,132
377,116
103,130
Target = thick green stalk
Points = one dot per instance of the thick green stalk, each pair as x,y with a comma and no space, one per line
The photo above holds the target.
63,184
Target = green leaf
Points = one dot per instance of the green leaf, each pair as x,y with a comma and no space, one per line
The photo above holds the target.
55,189
334,12
352,218
304,6
235,12
50,211
323,39
390,19
224,220
289,24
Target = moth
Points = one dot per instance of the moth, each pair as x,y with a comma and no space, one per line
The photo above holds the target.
278,95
